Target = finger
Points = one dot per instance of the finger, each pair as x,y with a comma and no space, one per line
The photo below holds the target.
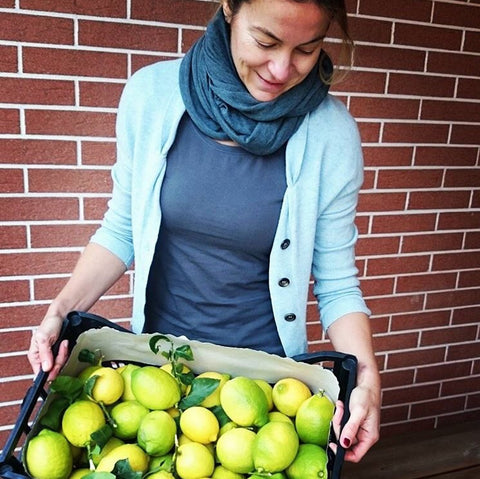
337,418
44,351
60,360
32,355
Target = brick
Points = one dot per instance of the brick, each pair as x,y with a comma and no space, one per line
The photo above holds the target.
64,235
314,331
395,342
189,37
362,223
358,81
38,209
13,237
397,265
379,325
439,406
15,341
396,304
384,108
94,208
372,246
438,200
9,121
443,371
404,395
475,199
455,110
98,153
382,201
100,8
468,279
445,156
463,351
15,365
465,134
473,401
415,133
36,29
113,308
43,92
77,123
456,261
140,61
463,64
13,391
11,181
466,315
403,223
389,58
370,30
394,414
14,291
69,180
468,88
462,177
418,357
432,242
377,287
7,4
369,179
8,59
451,299
472,42
409,178
420,85
461,386
35,152
18,264
406,10
387,155
424,319
456,14
425,282
459,220
74,62
369,131
427,36
128,36
448,335
395,379
100,94
22,315
472,240
174,11
409,427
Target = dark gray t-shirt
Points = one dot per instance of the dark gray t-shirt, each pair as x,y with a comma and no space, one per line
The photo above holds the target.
209,276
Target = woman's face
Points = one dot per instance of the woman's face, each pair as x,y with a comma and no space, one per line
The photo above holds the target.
275,44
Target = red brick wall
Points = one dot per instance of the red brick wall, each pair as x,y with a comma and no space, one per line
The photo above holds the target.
415,91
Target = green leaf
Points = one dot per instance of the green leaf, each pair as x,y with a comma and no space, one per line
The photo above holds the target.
101,436
99,475
89,384
67,386
87,356
221,415
186,378
154,340
122,470
201,388
183,352
53,417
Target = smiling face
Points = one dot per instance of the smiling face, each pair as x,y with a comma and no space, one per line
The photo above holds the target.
275,44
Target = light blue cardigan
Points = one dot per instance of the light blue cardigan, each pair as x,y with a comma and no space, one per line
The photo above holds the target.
324,170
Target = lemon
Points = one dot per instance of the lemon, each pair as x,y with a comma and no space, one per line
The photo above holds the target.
108,387
214,398
194,461
126,373
221,472
185,370
127,416
235,450
87,372
136,456
161,463
288,394
161,475
226,427
275,447
80,420
244,402
313,419
79,473
268,390
111,444
310,463
199,424
183,439
278,416
155,388
277,475
49,456
156,434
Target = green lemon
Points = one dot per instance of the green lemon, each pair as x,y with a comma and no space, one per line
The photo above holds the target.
155,388
235,450
156,433
277,475
288,394
313,419
49,456
279,416
80,420
199,424
310,463
136,456
194,461
126,373
221,472
244,402
275,447
268,390
128,416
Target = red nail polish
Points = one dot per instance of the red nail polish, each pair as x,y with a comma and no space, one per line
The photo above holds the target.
346,442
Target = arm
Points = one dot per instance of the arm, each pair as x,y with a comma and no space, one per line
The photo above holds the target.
96,270
351,334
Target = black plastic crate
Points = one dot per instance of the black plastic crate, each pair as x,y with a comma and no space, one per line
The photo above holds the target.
343,366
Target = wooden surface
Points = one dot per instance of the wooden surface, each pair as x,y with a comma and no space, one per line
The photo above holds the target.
446,453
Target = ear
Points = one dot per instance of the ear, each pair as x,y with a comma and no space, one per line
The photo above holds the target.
227,12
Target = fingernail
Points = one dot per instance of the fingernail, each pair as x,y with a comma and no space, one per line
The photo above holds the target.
346,442
45,365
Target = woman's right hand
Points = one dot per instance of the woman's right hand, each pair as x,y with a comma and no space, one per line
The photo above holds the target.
40,352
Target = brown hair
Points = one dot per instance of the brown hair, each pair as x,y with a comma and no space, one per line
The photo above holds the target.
338,13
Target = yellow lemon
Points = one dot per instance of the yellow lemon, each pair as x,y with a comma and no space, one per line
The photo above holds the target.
155,388
161,475
268,390
275,447
199,424
235,450
136,456
244,402
313,419
185,369
80,473
80,420
194,461
111,444
128,416
156,434
126,373
288,394
310,463
221,472
49,456
108,386
278,416
214,398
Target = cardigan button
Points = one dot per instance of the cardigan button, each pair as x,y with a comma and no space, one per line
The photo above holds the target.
284,282
285,244
290,317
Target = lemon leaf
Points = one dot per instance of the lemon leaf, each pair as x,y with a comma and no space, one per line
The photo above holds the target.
99,475
89,384
102,435
53,417
221,415
183,352
67,386
201,388
186,378
123,470
154,340
87,356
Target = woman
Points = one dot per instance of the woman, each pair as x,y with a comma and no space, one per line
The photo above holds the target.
236,179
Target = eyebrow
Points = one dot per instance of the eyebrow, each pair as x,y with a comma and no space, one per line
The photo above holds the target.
274,37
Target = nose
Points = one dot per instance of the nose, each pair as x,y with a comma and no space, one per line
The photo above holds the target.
280,66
